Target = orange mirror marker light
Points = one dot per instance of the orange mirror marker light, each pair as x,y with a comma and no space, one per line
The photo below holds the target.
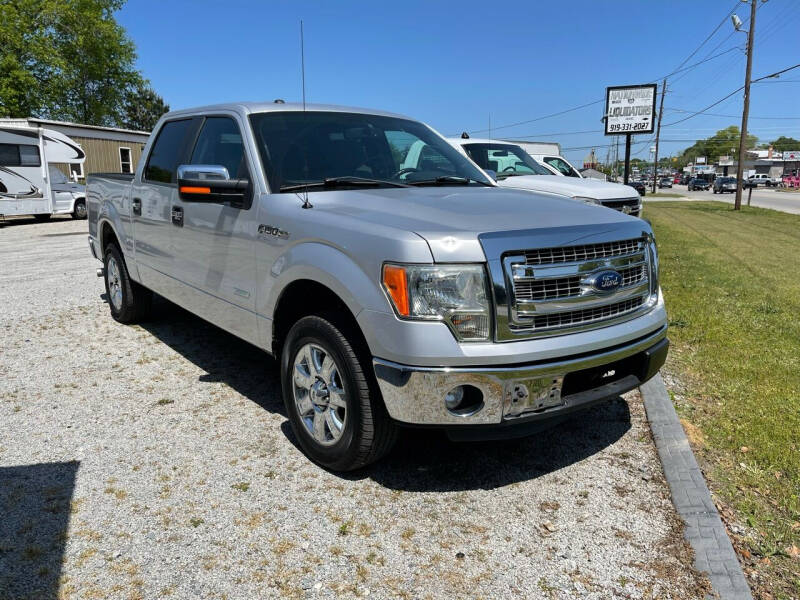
394,278
187,189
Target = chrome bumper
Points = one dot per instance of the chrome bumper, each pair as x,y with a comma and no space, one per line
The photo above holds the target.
415,395
92,248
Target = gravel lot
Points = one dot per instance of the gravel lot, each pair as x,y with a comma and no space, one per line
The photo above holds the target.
156,461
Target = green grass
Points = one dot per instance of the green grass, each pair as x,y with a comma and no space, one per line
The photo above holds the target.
662,195
732,288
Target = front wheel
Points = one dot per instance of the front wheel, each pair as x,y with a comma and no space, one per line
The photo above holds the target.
79,210
331,397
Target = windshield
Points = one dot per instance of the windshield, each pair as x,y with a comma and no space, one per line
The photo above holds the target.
313,147
561,165
504,159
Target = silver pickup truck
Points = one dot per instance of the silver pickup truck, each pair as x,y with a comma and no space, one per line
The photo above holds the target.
391,295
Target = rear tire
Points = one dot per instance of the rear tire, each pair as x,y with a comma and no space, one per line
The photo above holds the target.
331,395
79,210
129,302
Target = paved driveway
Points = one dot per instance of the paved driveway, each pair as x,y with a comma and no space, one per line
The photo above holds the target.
156,461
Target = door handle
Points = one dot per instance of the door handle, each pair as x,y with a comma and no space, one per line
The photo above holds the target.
137,206
177,216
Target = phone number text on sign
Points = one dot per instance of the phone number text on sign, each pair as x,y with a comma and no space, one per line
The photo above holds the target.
621,127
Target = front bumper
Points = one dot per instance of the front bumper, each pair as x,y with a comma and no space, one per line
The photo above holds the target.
520,394
93,249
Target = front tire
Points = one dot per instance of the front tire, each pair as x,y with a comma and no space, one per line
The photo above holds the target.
331,397
129,302
79,210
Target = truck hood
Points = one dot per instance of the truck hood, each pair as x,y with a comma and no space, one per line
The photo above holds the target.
451,219
570,186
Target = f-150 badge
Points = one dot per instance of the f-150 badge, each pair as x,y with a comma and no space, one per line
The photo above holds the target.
273,231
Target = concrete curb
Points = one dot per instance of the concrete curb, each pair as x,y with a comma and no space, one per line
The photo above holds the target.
713,550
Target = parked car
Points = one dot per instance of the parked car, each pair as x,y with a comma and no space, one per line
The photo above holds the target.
676,179
724,184
639,186
30,183
390,295
698,183
665,182
512,167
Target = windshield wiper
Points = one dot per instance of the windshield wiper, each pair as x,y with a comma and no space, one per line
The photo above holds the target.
504,175
449,180
331,182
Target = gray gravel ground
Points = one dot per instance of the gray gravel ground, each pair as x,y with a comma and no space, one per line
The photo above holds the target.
156,461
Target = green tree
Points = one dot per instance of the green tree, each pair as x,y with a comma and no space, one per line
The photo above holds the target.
785,143
143,107
65,59
719,144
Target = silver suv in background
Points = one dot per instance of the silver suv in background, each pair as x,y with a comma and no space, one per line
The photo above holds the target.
392,295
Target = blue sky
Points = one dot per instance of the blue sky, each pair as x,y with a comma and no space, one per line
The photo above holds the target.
456,65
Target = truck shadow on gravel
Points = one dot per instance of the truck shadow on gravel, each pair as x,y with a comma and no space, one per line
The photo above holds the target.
422,460
34,516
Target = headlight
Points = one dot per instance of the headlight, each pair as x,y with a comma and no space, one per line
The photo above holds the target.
586,200
455,294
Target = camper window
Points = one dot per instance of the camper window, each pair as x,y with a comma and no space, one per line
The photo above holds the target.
76,170
125,160
19,155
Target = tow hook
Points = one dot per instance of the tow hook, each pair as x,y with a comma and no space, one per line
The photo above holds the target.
101,272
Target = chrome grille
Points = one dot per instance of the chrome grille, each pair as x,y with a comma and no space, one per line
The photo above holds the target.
553,290
581,253
564,287
620,204
587,315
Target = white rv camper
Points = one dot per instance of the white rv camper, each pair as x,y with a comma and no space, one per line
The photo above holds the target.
28,185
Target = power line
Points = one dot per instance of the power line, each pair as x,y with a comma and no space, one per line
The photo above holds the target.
680,110
694,114
563,112
710,35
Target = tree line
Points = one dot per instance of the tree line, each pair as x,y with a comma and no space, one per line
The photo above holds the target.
69,60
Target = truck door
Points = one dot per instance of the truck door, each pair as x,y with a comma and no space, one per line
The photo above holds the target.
214,255
154,190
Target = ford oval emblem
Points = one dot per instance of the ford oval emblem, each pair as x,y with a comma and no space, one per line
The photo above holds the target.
605,281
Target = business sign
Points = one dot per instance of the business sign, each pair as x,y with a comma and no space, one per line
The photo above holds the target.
630,109
791,155
701,160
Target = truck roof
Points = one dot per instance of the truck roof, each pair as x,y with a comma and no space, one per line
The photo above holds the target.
257,107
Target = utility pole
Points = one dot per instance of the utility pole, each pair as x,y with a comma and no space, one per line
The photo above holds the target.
658,132
737,205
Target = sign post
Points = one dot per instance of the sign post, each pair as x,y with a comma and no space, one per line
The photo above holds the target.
630,109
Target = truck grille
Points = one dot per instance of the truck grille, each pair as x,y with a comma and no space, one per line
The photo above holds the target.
552,290
627,205
585,252
588,315
564,287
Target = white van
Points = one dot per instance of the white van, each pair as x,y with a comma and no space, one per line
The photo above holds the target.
29,183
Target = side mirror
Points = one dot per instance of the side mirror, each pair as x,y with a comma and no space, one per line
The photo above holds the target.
212,183
491,173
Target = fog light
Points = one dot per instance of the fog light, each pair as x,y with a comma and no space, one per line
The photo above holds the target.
454,397
464,400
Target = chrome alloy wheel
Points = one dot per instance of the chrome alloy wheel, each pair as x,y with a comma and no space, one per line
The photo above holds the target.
114,285
319,394
80,210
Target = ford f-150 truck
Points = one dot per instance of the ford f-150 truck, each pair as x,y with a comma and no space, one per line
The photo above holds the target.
391,295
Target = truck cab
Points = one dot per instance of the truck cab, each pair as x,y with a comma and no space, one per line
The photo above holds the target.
393,293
